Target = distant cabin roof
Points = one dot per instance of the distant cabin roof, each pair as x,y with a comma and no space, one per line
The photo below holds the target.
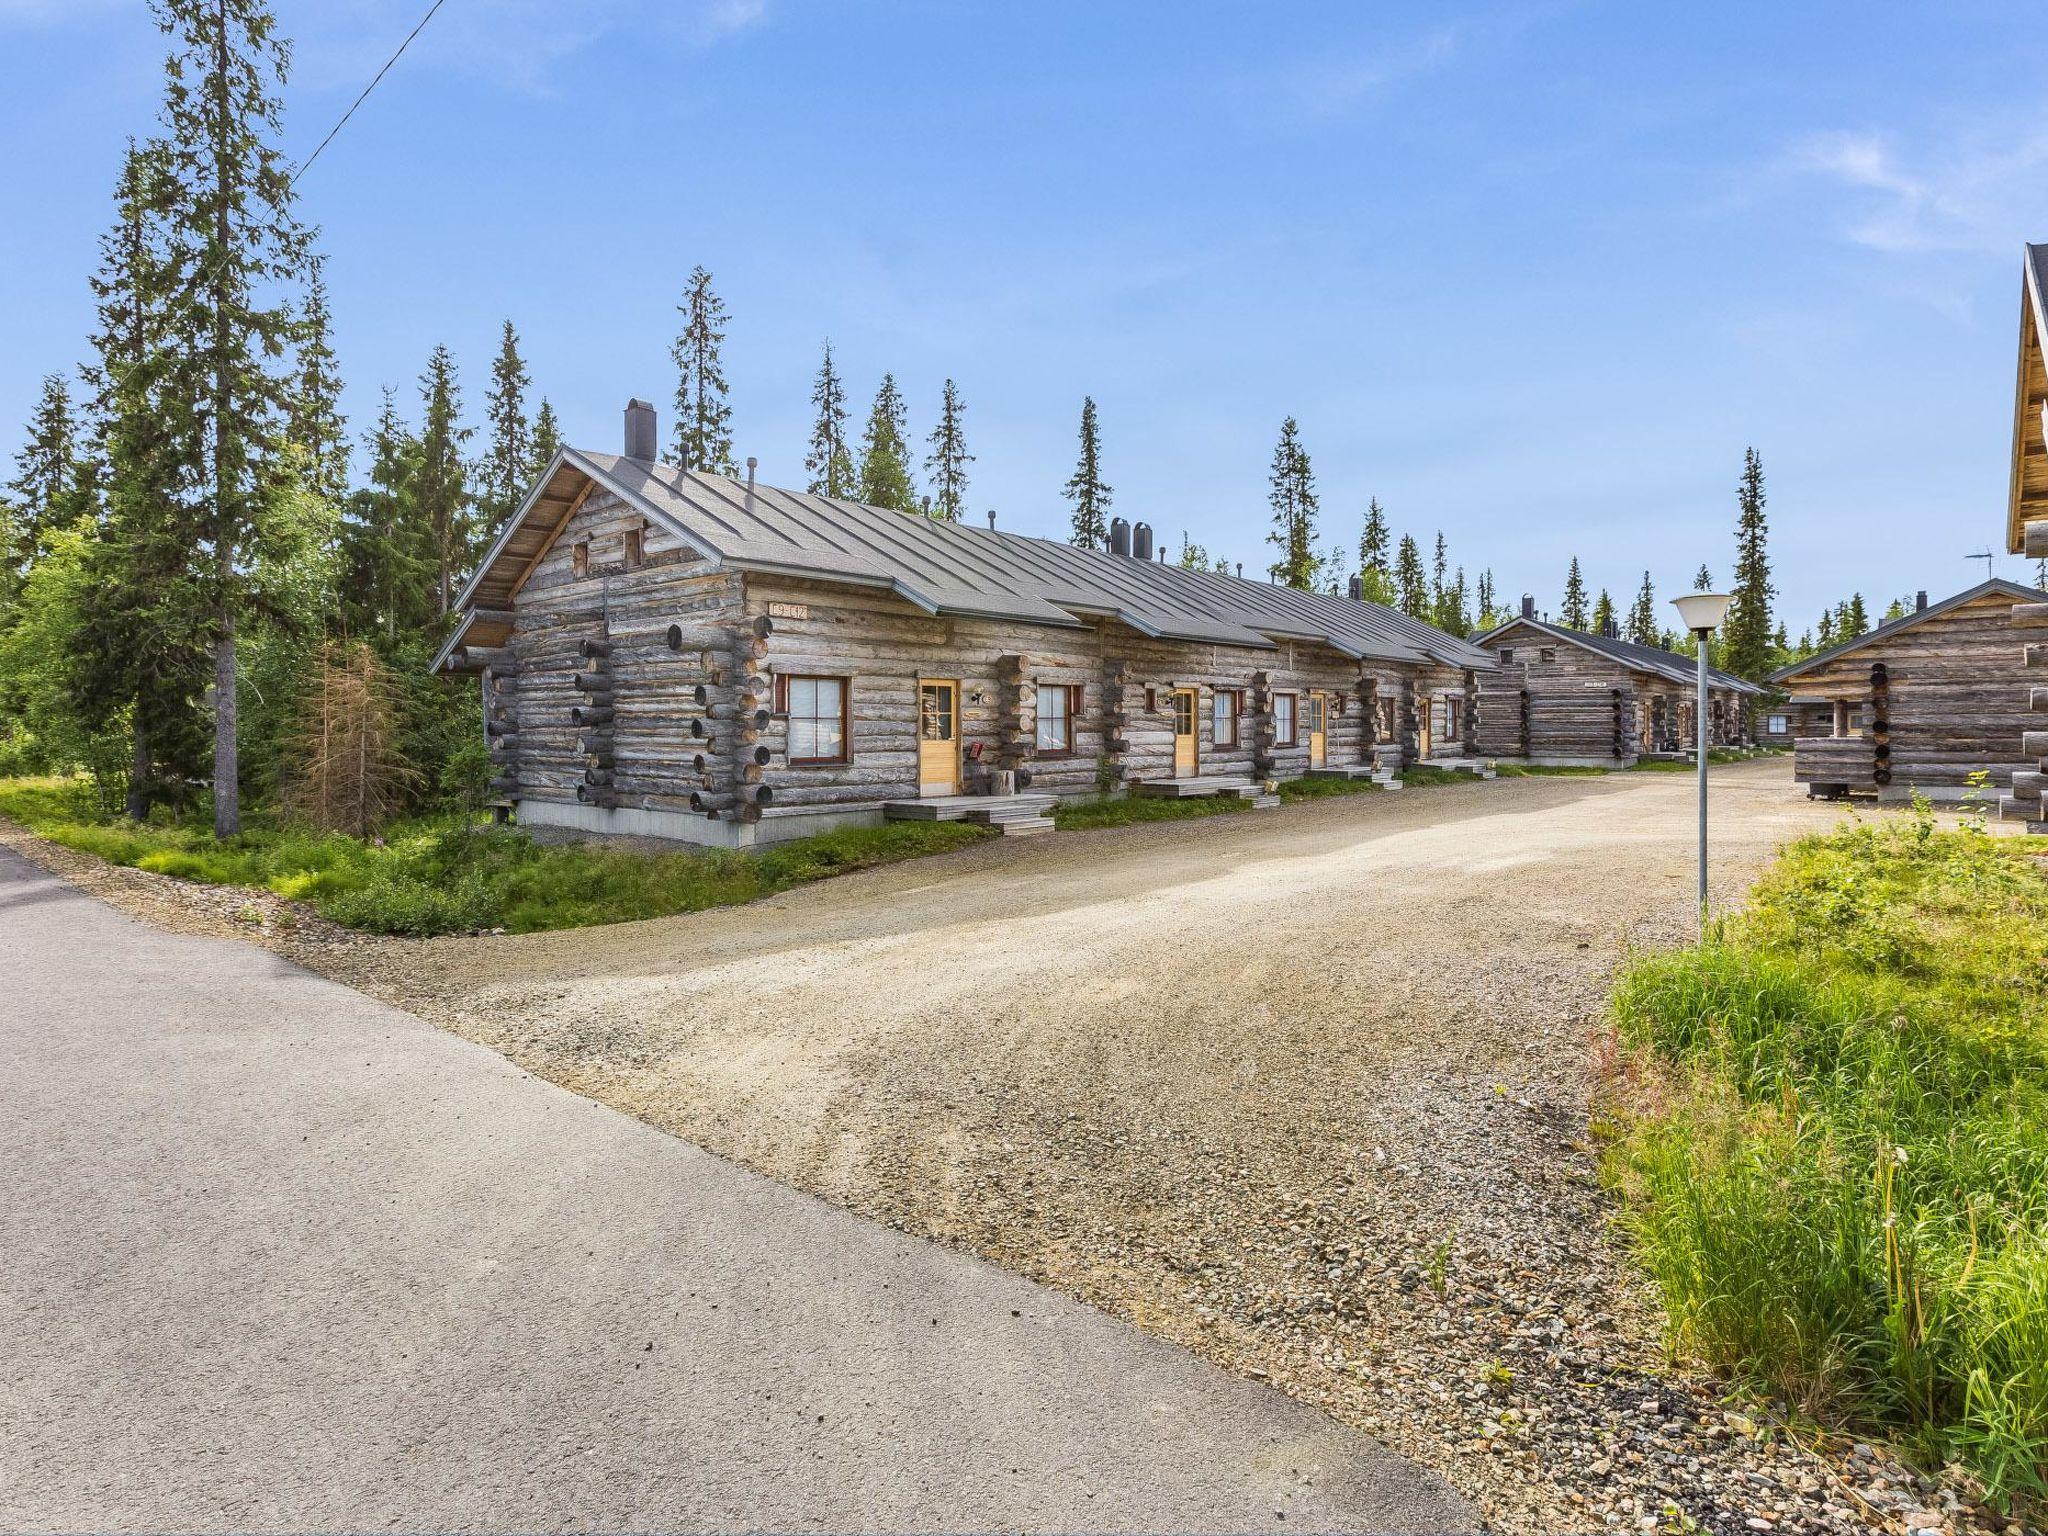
1639,658
2028,497
939,566
1997,586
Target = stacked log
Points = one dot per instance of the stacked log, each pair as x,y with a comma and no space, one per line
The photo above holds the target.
501,736
2028,801
1017,719
1263,731
1880,724
1411,724
1469,737
732,712
1369,715
1622,702
1116,720
594,718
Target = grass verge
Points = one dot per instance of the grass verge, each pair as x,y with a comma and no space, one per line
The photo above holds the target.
454,875
1829,1124
1313,788
1128,810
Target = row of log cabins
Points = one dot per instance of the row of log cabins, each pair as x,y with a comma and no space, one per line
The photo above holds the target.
671,653
2026,527
1565,697
1931,703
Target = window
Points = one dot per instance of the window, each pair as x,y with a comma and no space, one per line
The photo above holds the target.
1454,714
1058,703
816,707
1283,719
1775,725
635,547
1507,653
1224,705
579,559
1547,653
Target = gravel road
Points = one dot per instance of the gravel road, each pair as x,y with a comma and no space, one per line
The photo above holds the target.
1304,1090
276,1257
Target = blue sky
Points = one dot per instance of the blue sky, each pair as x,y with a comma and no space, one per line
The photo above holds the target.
1532,274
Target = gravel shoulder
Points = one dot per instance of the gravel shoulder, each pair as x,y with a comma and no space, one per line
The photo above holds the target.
1305,1090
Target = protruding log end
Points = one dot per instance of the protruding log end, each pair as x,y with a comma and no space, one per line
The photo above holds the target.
2034,539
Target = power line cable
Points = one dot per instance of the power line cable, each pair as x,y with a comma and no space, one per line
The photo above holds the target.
365,96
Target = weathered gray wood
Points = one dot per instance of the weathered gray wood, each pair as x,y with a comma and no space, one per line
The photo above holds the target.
2034,539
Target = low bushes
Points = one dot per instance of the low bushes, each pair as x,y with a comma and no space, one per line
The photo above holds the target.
1831,1131
451,874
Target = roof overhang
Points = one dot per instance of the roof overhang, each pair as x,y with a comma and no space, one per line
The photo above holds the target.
2027,498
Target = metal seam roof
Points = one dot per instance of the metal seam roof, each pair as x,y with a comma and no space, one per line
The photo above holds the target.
1642,658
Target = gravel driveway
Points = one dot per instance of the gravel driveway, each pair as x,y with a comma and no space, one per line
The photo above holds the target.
1303,1090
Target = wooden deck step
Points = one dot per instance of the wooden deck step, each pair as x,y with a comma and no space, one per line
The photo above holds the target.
1343,771
976,808
1196,788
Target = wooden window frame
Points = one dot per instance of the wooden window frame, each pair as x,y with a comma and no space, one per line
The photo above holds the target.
1293,736
845,757
636,548
1507,654
1547,653
1234,716
1073,698
579,558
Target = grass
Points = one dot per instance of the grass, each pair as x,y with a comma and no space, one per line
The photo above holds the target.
1541,771
1421,775
1125,811
453,875
1292,790
1830,1129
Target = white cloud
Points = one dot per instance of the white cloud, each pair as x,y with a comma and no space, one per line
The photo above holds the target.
1335,87
1970,194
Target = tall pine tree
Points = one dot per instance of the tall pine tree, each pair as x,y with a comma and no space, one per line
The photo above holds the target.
1439,593
229,224
1603,613
1488,602
703,428
828,459
314,423
389,558
507,467
885,452
547,439
442,495
1374,552
1642,614
1086,488
1291,493
1574,615
947,463
43,491
1411,585
1703,580
1746,641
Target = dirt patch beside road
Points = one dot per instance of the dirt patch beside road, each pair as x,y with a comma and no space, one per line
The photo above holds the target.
1304,1090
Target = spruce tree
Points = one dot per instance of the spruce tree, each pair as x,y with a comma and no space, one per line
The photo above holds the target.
885,453
1746,638
1603,613
1856,617
1703,580
1642,615
314,422
828,460
1458,608
1826,629
1291,492
1376,573
2041,575
1439,593
229,225
43,492
388,550
703,427
1573,614
1411,586
547,440
507,468
444,499
1086,488
947,463
1487,600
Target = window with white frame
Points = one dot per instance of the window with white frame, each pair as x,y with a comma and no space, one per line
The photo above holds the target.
1283,719
816,707
1223,712
1776,725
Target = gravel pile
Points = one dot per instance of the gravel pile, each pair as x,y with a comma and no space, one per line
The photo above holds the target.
1305,1091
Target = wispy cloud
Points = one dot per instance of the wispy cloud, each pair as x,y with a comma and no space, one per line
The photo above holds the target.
1968,194
1333,88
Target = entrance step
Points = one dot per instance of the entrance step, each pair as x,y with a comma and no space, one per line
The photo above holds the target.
985,810
1195,788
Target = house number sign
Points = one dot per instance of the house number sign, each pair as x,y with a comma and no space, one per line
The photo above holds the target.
789,610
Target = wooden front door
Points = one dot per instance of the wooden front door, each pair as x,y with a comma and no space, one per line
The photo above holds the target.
938,738
1424,708
1318,726
1187,757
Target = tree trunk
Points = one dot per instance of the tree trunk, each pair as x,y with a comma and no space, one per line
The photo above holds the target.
138,769
227,804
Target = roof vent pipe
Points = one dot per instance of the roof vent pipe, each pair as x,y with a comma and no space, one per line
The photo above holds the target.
1920,601
991,519
640,431
752,464
1528,606
1358,589
1119,537
1141,542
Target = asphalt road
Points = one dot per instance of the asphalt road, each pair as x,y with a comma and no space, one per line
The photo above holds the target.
273,1255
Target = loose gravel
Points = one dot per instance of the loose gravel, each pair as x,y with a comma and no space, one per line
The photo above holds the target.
1305,1090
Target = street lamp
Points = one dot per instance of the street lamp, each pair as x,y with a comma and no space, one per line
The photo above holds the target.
1702,613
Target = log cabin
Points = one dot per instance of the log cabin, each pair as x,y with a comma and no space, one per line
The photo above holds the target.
1561,697
670,653
2026,529
1931,702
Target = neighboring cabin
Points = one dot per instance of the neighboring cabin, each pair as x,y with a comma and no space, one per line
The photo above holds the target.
2026,533
677,654
1923,702
1562,697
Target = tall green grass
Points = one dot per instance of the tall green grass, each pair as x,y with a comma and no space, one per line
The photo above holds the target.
454,875
1831,1132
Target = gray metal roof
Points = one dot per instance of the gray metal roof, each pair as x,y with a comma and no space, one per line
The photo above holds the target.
1641,658
946,567
1996,586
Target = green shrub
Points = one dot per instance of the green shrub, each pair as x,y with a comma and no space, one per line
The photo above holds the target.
1833,1142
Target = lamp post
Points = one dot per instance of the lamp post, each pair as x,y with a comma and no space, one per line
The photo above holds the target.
1702,613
